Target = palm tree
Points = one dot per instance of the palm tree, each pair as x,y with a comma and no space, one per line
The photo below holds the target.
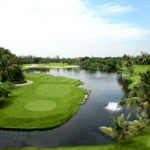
6,88
120,62
129,61
143,59
141,123
9,64
140,95
121,130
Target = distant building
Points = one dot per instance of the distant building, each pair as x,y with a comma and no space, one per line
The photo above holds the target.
79,58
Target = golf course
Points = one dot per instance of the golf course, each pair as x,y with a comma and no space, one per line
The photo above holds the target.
46,103
48,66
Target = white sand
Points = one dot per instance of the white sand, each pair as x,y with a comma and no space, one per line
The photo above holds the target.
28,82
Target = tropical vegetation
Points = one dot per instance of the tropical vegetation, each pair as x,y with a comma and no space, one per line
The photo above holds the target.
121,131
10,69
140,95
6,88
140,124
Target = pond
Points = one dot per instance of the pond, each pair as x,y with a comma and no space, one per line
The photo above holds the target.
83,127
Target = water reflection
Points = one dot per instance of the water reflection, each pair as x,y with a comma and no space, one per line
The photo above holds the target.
82,129
33,70
124,83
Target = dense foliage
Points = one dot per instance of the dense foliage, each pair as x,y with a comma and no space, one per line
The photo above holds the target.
93,62
122,130
6,88
36,60
140,96
10,68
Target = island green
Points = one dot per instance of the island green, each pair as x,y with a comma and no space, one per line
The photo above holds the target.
46,103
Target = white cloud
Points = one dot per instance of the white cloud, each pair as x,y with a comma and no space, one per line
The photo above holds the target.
60,27
111,8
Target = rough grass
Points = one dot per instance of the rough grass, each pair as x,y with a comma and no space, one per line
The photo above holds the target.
30,106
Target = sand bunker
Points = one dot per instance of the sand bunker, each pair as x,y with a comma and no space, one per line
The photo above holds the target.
28,82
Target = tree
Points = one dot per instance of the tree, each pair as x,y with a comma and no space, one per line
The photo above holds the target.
143,59
120,62
9,64
129,61
6,88
121,130
111,62
141,123
140,96
131,70
100,66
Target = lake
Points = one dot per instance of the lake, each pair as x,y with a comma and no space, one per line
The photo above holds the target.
83,127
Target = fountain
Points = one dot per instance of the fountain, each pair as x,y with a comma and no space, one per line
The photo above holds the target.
112,106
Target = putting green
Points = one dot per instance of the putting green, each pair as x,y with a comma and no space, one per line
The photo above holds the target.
52,90
41,105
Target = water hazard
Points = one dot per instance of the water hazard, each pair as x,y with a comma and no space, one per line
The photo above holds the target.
82,129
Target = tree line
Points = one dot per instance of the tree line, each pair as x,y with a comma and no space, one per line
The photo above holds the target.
93,62
29,59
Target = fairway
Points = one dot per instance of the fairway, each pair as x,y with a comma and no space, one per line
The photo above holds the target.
46,103
52,90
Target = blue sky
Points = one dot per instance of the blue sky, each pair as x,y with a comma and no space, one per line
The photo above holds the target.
73,28
135,12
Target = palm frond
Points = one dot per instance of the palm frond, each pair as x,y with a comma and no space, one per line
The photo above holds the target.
120,120
109,131
113,119
122,102
134,110
130,134
145,105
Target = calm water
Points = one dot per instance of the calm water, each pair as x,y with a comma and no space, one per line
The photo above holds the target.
82,129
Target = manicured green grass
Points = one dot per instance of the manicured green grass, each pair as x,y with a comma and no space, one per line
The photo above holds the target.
137,69
59,64
139,142
47,66
41,105
136,77
46,103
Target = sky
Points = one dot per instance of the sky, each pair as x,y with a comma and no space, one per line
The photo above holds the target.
75,28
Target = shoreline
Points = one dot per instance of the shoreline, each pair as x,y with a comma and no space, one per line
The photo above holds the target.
48,67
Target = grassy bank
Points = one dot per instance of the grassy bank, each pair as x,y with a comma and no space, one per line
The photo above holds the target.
40,105
47,66
139,143
136,77
137,69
